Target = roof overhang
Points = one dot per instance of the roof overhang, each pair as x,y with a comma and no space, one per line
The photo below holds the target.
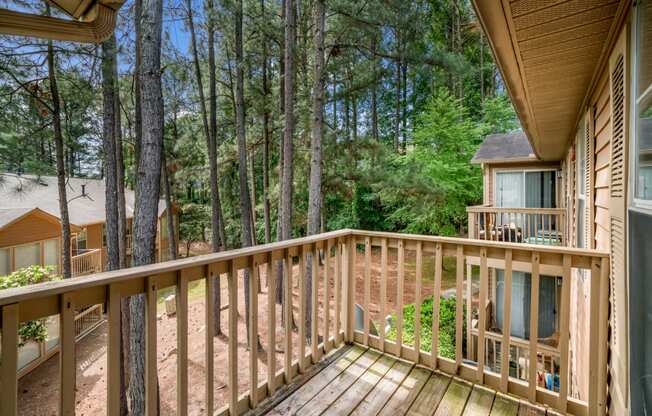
37,212
548,53
92,21
501,161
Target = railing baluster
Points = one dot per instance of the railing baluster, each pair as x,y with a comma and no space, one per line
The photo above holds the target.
209,316
113,352
67,367
417,300
367,288
434,351
287,316
603,341
564,333
232,382
594,338
271,326
482,312
459,305
301,341
9,368
507,323
314,290
469,310
534,327
349,298
151,389
399,298
327,295
383,291
182,344
338,292
253,335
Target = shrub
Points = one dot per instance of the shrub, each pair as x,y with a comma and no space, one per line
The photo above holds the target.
446,326
30,330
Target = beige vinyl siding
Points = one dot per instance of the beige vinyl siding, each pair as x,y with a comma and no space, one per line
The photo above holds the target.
602,141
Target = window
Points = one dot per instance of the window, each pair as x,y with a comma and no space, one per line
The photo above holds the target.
643,102
4,262
81,240
51,252
526,189
27,255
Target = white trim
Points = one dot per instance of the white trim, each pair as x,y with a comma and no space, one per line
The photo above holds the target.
496,171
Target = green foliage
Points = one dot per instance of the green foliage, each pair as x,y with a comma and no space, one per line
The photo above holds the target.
30,330
446,326
195,221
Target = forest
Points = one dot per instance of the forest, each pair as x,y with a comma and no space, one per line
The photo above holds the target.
259,120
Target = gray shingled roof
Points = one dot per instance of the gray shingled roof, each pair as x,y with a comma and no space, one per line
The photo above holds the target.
28,192
9,215
504,147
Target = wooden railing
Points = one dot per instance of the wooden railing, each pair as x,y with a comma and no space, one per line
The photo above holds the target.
344,282
518,225
89,262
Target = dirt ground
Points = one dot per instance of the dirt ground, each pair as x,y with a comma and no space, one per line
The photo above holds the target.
38,391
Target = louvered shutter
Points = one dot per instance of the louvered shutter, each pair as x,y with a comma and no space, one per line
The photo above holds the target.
617,222
588,179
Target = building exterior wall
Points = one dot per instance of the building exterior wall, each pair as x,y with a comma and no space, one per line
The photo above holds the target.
29,229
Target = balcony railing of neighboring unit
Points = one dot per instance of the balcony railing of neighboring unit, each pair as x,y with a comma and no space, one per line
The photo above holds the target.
519,225
345,297
88,262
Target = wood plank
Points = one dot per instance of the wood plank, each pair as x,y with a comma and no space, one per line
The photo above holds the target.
376,399
507,323
232,362
338,291
151,379
399,296
459,306
327,296
479,402
113,353
67,362
314,303
417,300
564,334
253,335
348,401
209,333
287,318
301,339
407,392
338,386
455,399
504,406
482,312
367,289
182,344
271,327
528,409
430,396
9,368
305,393
383,292
434,351
534,328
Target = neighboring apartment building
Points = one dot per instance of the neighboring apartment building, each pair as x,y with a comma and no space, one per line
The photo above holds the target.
580,76
30,228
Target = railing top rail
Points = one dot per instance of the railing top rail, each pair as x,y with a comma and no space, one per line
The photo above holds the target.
87,253
491,209
15,295
9,296
487,243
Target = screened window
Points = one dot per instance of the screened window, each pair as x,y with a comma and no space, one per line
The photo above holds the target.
27,255
81,240
4,261
51,252
643,101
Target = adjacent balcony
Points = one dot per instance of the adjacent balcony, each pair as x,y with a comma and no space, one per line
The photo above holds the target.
518,225
377,343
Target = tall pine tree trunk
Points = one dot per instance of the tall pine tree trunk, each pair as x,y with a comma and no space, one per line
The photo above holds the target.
314,192
61,170
374,86
148,185
173,250
266,135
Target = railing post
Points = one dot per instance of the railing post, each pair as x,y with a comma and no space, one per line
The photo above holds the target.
348,280
9,368
471,224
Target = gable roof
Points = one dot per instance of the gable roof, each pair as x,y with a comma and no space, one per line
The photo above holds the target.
503,148
9,216
86,197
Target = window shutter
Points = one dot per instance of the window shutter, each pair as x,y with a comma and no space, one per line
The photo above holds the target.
617,223
588,179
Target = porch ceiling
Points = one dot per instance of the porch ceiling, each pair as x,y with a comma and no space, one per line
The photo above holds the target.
548,52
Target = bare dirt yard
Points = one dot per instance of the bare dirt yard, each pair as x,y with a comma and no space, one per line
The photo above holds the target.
38,391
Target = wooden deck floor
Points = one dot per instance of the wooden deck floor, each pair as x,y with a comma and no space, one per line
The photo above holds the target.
366,382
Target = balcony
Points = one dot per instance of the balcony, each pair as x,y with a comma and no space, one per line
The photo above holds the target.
518,225
362,348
